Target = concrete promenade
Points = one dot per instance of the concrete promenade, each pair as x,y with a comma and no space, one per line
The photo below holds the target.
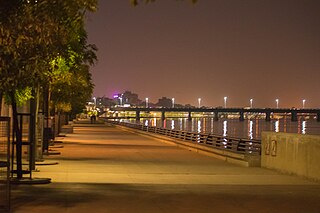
107,169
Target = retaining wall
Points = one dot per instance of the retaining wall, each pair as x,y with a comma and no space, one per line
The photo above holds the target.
291,153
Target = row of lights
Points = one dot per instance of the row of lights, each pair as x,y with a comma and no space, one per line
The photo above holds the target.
225,102
199,102
277,103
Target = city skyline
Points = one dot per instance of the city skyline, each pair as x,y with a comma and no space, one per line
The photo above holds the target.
173,101
242,50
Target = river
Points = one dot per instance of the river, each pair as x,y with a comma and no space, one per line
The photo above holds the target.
250,128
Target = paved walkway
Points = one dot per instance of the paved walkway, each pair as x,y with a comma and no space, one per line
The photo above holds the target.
106,169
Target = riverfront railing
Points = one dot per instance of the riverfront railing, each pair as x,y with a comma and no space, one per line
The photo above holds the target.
232,144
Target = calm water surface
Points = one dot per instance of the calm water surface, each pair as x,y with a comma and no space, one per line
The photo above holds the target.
250,128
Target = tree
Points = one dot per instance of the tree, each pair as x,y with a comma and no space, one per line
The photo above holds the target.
131,98
164,102
70,94
32,34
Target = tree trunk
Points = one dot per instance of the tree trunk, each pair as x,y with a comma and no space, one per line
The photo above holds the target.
17,135
46,129
38,154
32,132
59,122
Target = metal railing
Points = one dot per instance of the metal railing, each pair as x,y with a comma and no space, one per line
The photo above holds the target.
4,164
232,144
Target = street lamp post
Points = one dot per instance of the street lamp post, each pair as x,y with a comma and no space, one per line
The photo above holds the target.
147,102
303,103
277,102
225,102
199,102
251,103
172,102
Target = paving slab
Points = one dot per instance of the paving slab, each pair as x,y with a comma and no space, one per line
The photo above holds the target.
103,168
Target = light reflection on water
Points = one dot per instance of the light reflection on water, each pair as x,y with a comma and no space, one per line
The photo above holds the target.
276,126
199,126
250,131
153,122
304,126
225,128
172,124
233,127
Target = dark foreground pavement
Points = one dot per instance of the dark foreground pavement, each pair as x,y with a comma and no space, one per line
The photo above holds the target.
106,169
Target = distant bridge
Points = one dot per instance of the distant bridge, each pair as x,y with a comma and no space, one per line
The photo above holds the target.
215,111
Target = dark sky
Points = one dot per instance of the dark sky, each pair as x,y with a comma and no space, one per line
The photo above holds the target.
242,49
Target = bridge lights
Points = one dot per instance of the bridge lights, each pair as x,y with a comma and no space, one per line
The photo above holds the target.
225,102
147,102
251,102
303,103
277,103
172,102
199,102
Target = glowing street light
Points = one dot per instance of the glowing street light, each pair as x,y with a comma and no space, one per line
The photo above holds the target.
199,102
225,102
303,103
172,102
147,102
251,103
277,102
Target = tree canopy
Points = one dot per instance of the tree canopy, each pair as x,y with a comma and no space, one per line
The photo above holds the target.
37,36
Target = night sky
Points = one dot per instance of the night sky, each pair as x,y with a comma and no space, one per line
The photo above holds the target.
242,49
